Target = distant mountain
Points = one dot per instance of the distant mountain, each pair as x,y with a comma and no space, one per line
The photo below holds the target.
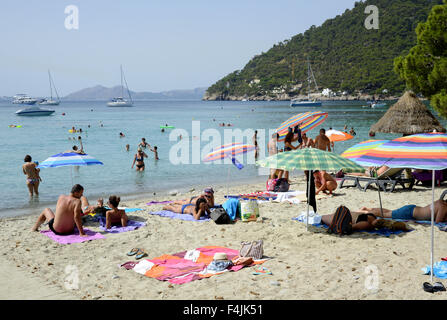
344,56
103,93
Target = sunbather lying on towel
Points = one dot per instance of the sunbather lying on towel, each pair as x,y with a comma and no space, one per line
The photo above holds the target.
196,210
371,172
412,211
208,194
115,215
367,221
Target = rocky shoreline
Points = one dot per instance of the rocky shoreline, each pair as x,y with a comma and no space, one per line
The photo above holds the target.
286,97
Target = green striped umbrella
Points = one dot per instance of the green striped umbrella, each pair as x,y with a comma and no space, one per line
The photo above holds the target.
309,159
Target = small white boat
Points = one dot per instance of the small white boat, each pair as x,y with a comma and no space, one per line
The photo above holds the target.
34,111
305,103
120,101
50,101
22,98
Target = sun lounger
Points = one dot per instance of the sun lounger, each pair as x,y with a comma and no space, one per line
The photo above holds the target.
387,181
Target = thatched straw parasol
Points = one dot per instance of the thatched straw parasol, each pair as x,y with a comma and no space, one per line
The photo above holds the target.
407,116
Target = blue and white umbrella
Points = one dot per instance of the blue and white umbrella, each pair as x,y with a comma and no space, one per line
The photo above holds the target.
69,159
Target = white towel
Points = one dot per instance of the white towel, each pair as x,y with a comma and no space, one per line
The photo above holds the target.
290,196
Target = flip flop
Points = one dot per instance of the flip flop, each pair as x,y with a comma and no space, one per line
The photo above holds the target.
133,251
428,287
438,286
262,270
140,254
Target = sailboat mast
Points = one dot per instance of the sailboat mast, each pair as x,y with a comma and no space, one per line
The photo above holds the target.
308,80
122,88
51,90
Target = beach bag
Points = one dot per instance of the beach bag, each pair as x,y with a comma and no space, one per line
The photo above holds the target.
341,222
254,249
220,216
249,210
271,183
282,185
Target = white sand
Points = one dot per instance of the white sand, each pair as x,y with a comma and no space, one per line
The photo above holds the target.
305,265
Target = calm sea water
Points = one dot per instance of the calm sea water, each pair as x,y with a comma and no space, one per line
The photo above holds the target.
42,137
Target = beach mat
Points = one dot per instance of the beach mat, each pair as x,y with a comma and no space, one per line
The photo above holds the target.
381,232
131,225
186,266
179,216
73,238
159,202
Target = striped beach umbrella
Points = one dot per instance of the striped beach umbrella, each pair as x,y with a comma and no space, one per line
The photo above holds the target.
69,159
307,121
230,150
309,159
359,149
419,151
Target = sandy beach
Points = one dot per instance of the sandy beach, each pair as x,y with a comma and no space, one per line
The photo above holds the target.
305,264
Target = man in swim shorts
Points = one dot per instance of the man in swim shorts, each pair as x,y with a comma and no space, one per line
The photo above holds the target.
413,212
67,216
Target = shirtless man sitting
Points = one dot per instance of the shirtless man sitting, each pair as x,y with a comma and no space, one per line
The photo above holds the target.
68,214
414,212
322,142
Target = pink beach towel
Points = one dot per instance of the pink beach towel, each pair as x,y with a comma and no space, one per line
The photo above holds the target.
73,238
186,266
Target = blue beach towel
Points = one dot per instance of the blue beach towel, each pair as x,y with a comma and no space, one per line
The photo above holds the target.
179,216
440,269
381,232
131,225
231,207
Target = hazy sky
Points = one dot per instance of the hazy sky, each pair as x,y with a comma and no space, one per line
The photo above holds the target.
162,45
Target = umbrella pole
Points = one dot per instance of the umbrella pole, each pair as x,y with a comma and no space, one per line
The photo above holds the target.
380,198
308,200
432,223
228,180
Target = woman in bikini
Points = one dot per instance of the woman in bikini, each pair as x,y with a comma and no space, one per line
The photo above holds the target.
32,176
196,210
208,194
139,159
288,146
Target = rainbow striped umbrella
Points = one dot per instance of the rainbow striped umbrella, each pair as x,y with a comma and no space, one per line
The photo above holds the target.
228,150
419,151
306,121
359,149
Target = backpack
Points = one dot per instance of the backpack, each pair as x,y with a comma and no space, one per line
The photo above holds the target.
281,185
341,222
271,183
220,216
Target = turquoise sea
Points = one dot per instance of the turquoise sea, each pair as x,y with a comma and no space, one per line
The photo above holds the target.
42,137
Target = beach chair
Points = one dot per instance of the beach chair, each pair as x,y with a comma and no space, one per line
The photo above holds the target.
387,181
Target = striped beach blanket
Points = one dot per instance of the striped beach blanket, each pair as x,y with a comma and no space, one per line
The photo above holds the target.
186,266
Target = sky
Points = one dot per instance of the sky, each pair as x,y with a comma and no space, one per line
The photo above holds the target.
162,45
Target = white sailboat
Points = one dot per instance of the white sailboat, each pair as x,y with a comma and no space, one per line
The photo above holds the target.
120,101
50,101
308,102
